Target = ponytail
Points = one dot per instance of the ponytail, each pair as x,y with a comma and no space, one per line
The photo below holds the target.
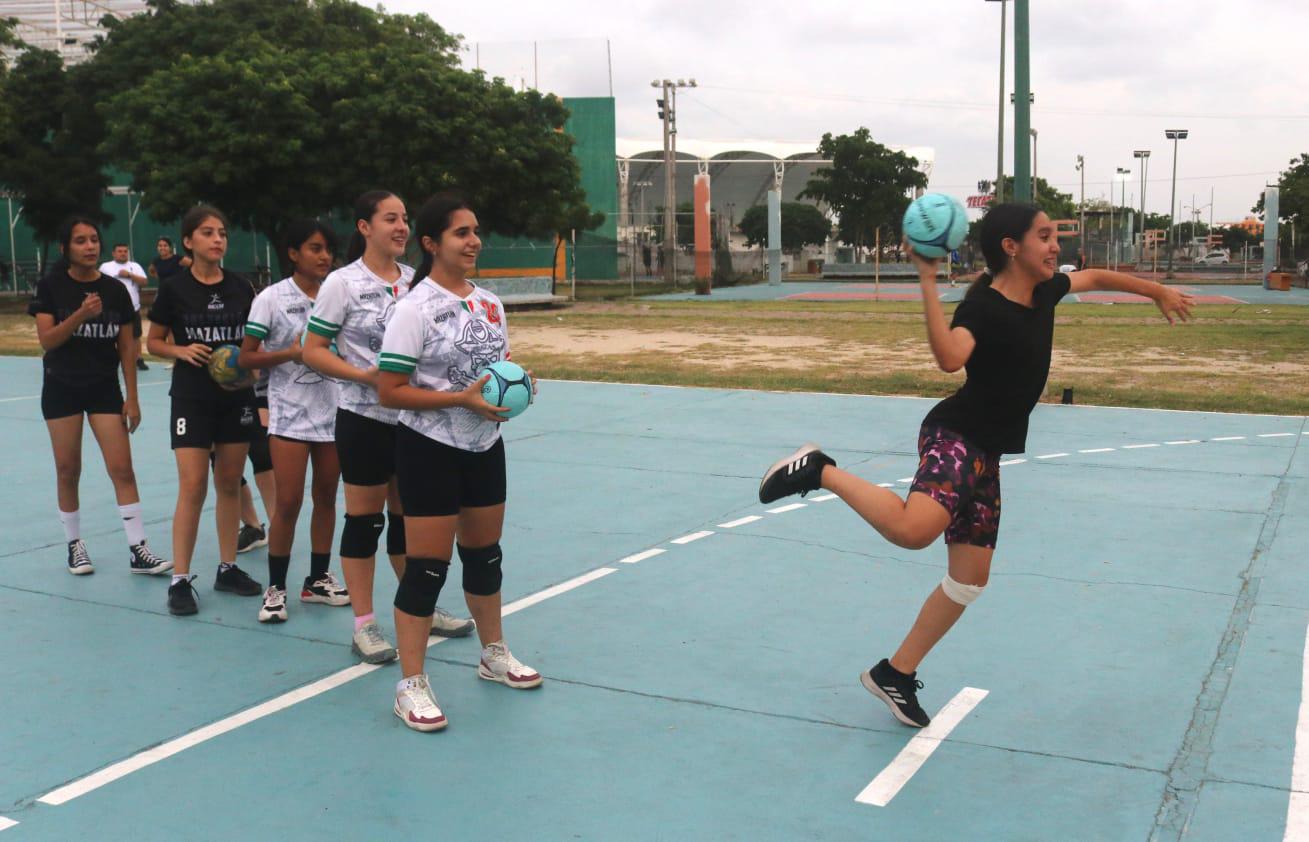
364,208
1008,221
432,220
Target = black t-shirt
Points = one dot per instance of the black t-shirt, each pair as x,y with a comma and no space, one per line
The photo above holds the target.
211,314
1008,367
91,354
167,267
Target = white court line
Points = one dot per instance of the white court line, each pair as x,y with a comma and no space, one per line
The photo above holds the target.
1139,446
1227,438
1013,461
1274,435
892,779
139,761
790,507
1184,441
741,521
1297,812
641,556
1051,455
886,485
906,479
36,397
822,498
694,536
1096,450
5,823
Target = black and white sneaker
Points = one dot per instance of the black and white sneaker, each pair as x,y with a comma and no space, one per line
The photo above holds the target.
799,473
274,608
79,560
181,598
325,590
899,691
234,580
145,561
250,537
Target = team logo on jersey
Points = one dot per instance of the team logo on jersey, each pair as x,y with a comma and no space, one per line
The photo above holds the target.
482,346
297,310
308,377
216,302
375,338
247,416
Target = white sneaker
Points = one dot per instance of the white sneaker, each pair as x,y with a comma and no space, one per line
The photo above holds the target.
371,646
274,608
415,704
445,624
499,664
325,590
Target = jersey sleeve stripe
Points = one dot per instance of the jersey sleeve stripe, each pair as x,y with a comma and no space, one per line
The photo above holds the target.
396,366
324,322
323,329
392,355
256,330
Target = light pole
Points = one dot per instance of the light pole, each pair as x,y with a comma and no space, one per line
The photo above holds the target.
1142,155
999,144
1034,196
668,113
1120,175
1081,210
1174,135
1022,108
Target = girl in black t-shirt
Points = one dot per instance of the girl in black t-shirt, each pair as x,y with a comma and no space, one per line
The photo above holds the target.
196,311
80,314
1002,333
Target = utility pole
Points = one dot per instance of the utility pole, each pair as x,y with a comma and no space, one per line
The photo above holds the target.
1174,135
1034,193
668,113
1081,210
1022,103
1143,155
1120,175
999,144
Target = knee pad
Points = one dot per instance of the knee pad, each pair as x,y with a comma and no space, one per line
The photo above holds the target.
395,533
420,586
959,592
482,574
359,535
260,459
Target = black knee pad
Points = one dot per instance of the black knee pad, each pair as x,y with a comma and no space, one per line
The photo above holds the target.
395,533
421,585
482,574
359,535
260,459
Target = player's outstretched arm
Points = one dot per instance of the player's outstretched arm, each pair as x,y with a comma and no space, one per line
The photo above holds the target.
1173,303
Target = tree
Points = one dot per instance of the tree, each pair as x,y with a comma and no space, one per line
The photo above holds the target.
272,110
1292,192
685,216
867,185
802,225
1057,205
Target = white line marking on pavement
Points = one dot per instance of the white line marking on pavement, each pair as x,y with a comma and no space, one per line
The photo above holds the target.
886,485
1297,812
1227,438
1139,446
694,536
1096,450
790,507
5,823
139,761
1274,435
905,479
1184,441
35,397
892,779
823,498
741,521
1051,455
1013,461
641,556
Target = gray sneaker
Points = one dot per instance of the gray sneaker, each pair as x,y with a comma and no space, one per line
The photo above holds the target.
445,624
371,646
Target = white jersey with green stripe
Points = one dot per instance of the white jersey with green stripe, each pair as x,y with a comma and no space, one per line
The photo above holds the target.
443,342
301,402
353,307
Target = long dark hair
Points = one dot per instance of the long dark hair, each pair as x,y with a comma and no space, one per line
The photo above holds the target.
299,231
196,216
64,235
365,207
1011,220
432,221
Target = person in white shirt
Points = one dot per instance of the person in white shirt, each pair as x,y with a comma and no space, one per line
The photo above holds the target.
450,458
352,308
132,276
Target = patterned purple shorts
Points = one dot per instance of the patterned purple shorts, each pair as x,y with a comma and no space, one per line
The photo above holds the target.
965,480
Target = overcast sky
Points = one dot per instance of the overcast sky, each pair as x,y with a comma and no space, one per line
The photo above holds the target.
1108,75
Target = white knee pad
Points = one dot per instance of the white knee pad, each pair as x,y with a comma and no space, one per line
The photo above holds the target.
959,592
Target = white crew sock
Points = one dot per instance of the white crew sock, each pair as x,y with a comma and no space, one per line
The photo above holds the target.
72,522
132,523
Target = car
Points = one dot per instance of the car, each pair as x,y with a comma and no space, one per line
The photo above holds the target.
1213,258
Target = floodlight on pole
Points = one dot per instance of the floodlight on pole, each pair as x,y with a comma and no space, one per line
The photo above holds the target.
1174,135
1120,174
668,114
1081,208
1142,155
999,144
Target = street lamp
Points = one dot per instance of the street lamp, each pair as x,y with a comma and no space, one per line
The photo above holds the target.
1120,175
999,144
1081,210
1174,135
1034,196
668,113
1142,155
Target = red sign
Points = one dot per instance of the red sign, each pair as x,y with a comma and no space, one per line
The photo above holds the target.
980,201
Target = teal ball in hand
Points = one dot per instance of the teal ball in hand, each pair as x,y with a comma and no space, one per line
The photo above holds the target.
509,386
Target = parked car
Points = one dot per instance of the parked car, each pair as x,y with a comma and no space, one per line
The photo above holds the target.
1213,258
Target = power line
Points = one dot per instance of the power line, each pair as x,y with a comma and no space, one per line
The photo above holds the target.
1070,184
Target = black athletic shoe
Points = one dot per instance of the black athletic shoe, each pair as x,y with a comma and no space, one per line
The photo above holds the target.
79,560
140,365
799,473
181,598
235,580
143,560
250,537
899,691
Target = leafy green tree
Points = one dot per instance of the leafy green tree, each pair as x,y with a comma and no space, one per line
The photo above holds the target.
685,215
272,110
1056,204
1292,193
867,185
802,225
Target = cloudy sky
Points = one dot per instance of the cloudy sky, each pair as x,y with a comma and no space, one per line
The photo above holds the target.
1108,75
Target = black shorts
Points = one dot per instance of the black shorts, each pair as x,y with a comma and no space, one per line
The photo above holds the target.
203,424
436,479
60,400
366,448
136,325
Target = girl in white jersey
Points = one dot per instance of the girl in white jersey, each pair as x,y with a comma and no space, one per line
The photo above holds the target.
301,419
450,459
353,307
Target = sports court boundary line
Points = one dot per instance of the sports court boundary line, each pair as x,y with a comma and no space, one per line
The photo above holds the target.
1297,809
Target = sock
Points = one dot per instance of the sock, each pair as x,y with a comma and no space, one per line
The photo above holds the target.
224,566
318,565
403,684
180,577
277,567
72,522
132,524
360,622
